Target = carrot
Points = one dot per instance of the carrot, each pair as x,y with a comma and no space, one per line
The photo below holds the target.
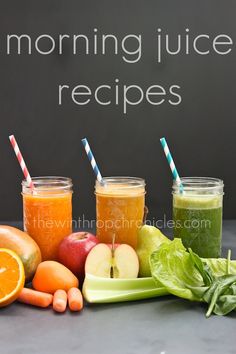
35,298
60,301
75,299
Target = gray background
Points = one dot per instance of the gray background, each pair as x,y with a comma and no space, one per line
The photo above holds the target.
200,131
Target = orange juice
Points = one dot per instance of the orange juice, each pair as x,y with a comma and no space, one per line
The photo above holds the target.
120,205
48,213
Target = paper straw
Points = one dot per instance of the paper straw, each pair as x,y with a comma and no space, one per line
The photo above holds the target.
21,161
92,160
171,163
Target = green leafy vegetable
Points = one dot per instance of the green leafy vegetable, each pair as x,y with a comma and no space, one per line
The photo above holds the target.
227,302
218,288
202,267
173,267
188,276
218,266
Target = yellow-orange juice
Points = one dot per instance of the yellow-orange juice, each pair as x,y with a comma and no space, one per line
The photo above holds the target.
48,213
120,205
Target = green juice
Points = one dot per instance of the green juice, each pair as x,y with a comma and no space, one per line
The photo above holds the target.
198,222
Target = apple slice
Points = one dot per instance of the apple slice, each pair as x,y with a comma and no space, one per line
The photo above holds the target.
122,262
98,261
125,262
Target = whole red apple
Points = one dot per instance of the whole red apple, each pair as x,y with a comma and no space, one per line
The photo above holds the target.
73,251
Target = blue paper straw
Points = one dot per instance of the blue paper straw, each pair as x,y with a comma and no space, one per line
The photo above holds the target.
171,163
92,160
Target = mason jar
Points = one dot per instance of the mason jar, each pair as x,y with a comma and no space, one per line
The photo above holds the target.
197,214
47,212
120,205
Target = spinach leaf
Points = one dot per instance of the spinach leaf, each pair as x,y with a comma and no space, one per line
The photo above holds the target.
225,304
213,295
202,267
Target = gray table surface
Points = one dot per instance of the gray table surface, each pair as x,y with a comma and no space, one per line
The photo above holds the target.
163,325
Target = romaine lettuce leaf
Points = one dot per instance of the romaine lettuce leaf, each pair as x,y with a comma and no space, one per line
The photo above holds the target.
172,266
218,266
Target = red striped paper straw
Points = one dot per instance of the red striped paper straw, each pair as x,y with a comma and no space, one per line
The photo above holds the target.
21,161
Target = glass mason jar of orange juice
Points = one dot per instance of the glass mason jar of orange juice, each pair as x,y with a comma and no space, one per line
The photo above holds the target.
47,212
120,205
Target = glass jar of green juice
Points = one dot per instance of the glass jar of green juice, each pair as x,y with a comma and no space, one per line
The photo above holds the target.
197,214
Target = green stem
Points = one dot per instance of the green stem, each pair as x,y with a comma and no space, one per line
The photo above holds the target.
212,304
228,262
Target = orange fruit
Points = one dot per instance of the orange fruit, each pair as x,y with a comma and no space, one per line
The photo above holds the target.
12,276
51,276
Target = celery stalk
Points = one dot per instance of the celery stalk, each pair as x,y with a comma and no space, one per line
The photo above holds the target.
102,290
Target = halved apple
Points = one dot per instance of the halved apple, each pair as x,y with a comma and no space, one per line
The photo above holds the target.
120,262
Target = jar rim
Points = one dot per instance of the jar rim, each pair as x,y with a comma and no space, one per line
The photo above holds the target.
49,182
199,184
119,181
